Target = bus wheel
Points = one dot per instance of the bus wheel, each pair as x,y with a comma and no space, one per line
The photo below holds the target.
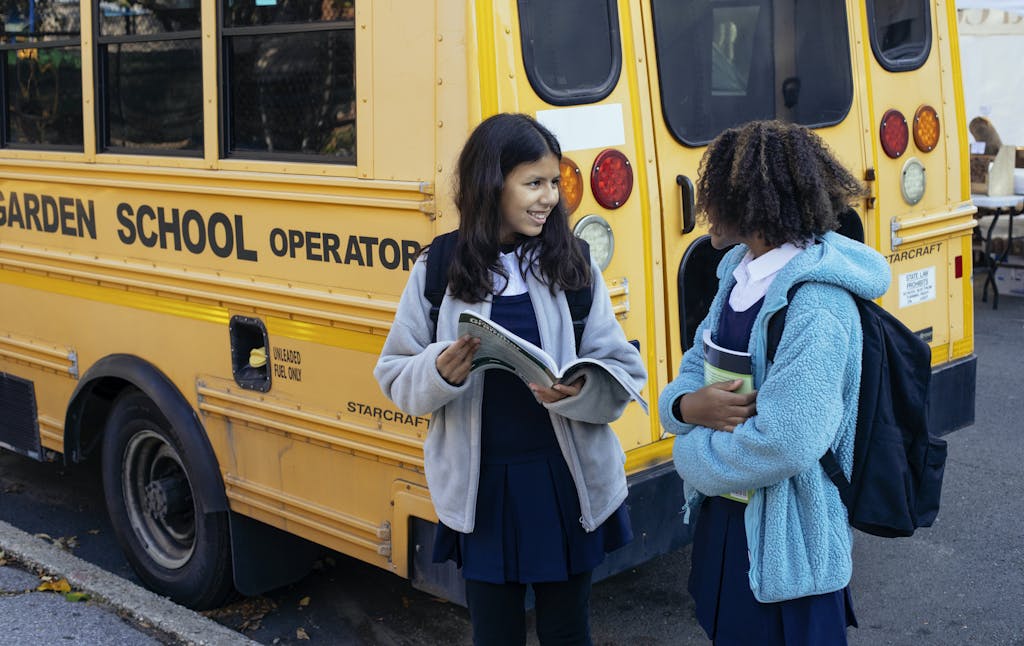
175,548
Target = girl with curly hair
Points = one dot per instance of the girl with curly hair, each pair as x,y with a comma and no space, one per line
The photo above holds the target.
528,483
772,564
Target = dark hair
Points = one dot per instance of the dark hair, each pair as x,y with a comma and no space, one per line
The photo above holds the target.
775,179
493,150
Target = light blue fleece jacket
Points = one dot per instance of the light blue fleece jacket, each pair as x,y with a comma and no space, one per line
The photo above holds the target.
408,376
798,536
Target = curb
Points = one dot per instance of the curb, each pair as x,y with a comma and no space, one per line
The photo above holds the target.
136,602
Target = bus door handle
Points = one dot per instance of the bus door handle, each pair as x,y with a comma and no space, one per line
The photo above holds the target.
686,203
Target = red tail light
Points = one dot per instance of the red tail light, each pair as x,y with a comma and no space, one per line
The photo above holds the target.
894,133
611,179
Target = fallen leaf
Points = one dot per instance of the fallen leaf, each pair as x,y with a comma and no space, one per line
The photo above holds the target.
76,596
58,585
66,543
303,602
301,634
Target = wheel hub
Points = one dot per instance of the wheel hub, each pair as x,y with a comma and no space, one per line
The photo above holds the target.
166,496
158,499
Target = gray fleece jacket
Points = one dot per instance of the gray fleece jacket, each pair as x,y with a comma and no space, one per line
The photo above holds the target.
408,376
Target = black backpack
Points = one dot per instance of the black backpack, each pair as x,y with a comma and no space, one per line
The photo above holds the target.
897,464
439,258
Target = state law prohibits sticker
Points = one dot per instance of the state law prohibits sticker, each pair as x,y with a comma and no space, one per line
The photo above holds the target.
917,286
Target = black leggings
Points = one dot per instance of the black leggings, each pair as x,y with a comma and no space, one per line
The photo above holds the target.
498,614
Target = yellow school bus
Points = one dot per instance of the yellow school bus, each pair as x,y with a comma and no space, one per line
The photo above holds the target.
209,209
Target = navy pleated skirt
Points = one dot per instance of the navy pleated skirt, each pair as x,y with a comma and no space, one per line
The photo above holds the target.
727,609
528,527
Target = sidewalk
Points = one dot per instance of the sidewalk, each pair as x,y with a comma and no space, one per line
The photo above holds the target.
116,612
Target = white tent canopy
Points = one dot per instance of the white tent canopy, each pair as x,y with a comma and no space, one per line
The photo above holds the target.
991,51
1002,5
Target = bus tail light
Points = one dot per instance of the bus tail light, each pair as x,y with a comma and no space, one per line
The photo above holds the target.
912,181
958,267
598,235
894,133
571,183
611,179
926,128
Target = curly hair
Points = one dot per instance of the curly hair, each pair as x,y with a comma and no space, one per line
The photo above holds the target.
776,179
497,146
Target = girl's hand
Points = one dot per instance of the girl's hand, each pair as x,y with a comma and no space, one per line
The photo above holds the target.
558,392
454,363
717,406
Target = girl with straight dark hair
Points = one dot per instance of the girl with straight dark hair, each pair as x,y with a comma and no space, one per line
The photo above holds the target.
527,481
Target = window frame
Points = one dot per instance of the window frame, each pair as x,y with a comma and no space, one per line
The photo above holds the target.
671,122
224,113
5,127
577,97
100,80
907,65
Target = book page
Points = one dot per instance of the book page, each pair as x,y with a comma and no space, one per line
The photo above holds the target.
574,368
500,348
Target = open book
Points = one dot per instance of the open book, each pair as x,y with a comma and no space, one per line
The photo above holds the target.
502,349
722,364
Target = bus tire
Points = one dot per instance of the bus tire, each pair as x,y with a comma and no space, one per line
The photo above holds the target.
176,548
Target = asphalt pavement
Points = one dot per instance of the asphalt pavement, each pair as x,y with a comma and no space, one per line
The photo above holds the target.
84,603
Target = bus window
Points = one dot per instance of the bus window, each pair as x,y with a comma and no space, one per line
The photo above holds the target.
571,49
42,75
722,63
150,77
290,70
901,33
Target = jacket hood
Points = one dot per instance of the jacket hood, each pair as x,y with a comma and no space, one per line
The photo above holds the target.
834,259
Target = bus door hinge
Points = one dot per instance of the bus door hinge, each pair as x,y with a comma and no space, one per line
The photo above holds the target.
384,533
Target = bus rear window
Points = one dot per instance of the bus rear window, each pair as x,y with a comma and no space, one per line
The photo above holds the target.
571,49
901,33
725,62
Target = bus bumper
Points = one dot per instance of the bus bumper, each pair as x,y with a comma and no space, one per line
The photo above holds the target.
951,398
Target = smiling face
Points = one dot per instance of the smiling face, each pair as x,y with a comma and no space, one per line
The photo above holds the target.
529,194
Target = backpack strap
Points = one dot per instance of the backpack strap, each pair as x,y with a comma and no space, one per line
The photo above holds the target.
835,473
778,322
580,300
439,258
828,461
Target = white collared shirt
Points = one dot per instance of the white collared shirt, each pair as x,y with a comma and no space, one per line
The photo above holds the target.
516,284
754,275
